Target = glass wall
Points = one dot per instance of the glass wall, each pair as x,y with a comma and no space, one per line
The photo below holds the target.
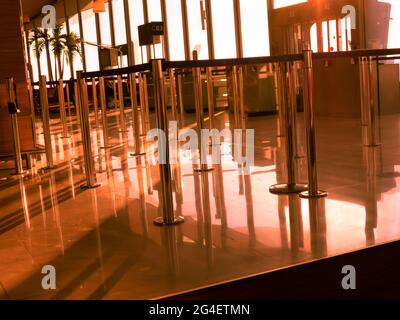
175,30
197,29
285,3
90,36
119,22
223,19
255,34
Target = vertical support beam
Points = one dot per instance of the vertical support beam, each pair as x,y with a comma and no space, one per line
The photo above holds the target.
210,31
309,122
168,217
146,20
98,37
185,24
81,34
238,28
166,35
131,49
71,65
111,17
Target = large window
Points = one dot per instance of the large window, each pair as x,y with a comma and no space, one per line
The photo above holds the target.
197,28
74,27
137,19
119,22
175,30
285,3
223,29
105,30
154,7
90,37
254,16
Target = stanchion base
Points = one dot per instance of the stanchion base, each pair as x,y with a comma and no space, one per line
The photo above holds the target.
306,195
287,188
137,154
161,223
85,186
372,145
203,169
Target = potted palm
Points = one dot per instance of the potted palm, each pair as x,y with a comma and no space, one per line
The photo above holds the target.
41,41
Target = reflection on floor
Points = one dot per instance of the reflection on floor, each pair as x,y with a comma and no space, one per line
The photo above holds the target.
104,245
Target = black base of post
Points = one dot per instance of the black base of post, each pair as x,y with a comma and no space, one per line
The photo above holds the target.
161,223
133,155
287,188
85,186
207,169
307,195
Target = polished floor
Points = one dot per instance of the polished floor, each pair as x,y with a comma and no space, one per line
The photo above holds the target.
104,245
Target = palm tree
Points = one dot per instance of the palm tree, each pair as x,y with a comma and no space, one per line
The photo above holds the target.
41,40
57,42
72,47
37,47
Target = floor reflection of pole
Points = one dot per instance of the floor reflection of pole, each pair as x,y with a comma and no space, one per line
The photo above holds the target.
318,227
142,196
296,224
198,206
98,236
371,207
208,236
110,178
250,211
169,240
282,203
56,208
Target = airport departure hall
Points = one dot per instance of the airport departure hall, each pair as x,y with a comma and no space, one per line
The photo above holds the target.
199,149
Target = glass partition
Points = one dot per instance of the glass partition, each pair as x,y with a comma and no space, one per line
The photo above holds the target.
137,19
74,27
90,36
197,28
105,30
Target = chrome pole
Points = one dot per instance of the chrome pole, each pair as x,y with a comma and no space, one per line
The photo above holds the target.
115,94
235,96
180,92
242,114
13,110
121,105
68,99
363,91
44,102
103,106
135,115
172,88
168,216
293,106
210,97
291,186
309,122
95,103
278,101
77,102
146,102
85,131
63,115
371,114
198,101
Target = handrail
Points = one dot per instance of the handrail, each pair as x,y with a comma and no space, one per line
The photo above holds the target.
356,53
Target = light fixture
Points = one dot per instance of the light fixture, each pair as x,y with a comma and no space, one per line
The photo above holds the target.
99,6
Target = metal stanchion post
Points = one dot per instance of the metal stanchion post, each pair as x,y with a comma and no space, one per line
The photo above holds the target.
210,97
95,103
77,102
13,110
293,106
168,217
198,101
121,105
115,94
44,102
135,116
242,114
309,122
63,115
172,88
235,96
85,131
180,92
68,100
371,114
363,91
103,106
146,103
278,101
291,186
